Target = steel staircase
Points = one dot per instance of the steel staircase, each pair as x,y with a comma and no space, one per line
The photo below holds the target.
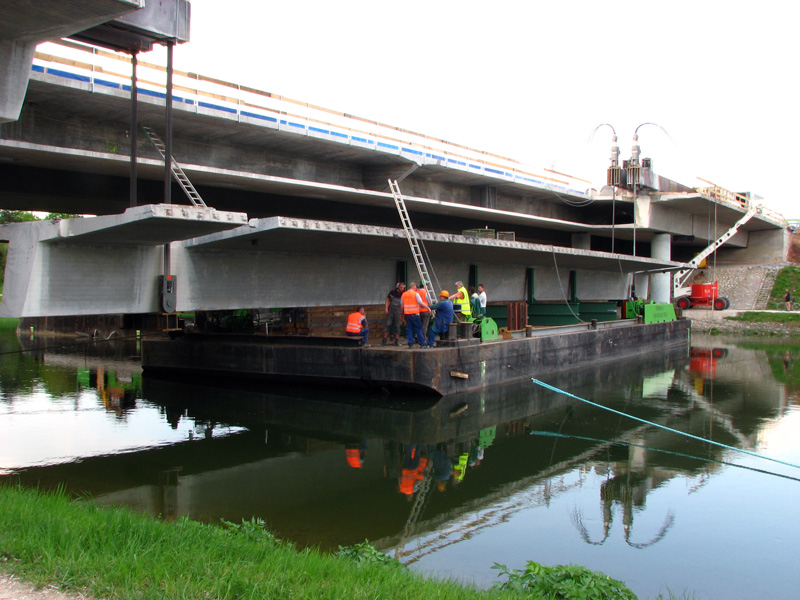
764,292
177,172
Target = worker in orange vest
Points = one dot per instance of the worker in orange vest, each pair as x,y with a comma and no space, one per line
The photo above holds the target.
412,302
357,326
424,312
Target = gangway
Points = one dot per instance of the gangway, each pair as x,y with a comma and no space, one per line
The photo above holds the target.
177,172
679,287
413,240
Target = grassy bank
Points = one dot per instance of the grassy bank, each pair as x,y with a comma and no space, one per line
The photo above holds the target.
115,553
763,317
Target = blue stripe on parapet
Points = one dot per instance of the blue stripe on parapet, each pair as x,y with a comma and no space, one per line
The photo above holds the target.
69,75
110,84
216,107
191,102
146,92
257,116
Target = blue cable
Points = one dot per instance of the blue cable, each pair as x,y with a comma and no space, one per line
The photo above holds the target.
689,435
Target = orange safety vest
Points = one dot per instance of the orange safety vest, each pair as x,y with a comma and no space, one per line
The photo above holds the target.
410,303
353,457
354,322
423,293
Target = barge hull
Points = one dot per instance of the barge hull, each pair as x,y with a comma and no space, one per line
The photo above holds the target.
442,371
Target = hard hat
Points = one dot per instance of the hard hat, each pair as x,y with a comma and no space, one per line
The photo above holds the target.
444,294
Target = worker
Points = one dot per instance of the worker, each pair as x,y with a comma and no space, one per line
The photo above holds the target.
460,301
394,314
444,316
424,313
357,326
482,297
412,302
474,303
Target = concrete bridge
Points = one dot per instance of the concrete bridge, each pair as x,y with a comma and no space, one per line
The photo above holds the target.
302,214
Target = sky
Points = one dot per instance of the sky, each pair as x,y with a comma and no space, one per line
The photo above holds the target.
532,80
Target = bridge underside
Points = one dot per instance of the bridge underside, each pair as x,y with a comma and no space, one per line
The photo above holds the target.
111,265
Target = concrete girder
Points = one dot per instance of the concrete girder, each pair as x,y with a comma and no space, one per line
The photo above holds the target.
22,27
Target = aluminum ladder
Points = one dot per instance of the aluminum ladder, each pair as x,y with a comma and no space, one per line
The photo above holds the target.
413,240
177,172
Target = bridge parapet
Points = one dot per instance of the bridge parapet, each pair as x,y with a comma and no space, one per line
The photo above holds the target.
105,72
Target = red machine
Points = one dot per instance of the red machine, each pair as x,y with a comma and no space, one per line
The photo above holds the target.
704,294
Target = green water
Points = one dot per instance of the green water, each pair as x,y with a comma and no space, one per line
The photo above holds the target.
511,474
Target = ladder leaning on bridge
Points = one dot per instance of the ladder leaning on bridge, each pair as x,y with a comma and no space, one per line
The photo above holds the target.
413,240
177,172
679,287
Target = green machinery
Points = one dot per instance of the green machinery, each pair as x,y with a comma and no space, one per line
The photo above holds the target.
650,311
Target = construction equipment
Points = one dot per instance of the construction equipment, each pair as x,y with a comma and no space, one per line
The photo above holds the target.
413,240
703,294
679,287
177,172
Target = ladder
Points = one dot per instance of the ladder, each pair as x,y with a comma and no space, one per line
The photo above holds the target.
177,172
681,277
413,240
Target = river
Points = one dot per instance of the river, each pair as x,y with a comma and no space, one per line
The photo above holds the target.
450,487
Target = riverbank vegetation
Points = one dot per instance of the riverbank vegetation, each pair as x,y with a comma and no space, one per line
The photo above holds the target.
47,538
787,278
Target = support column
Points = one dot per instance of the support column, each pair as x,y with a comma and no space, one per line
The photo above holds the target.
661,248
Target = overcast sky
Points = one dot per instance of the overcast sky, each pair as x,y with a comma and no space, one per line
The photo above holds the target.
532,80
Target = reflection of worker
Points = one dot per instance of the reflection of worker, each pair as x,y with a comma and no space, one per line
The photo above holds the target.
460,468
441,467
357,326
787,299
354,453
413,471
444,316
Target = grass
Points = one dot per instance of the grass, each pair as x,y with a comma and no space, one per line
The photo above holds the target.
761,317
50,539
115,553
787,278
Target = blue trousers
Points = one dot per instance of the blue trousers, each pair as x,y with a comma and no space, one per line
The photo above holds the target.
363,333
414,330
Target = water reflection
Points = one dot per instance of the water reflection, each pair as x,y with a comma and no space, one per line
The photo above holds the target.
447,486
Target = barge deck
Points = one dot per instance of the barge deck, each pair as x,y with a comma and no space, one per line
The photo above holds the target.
466,365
